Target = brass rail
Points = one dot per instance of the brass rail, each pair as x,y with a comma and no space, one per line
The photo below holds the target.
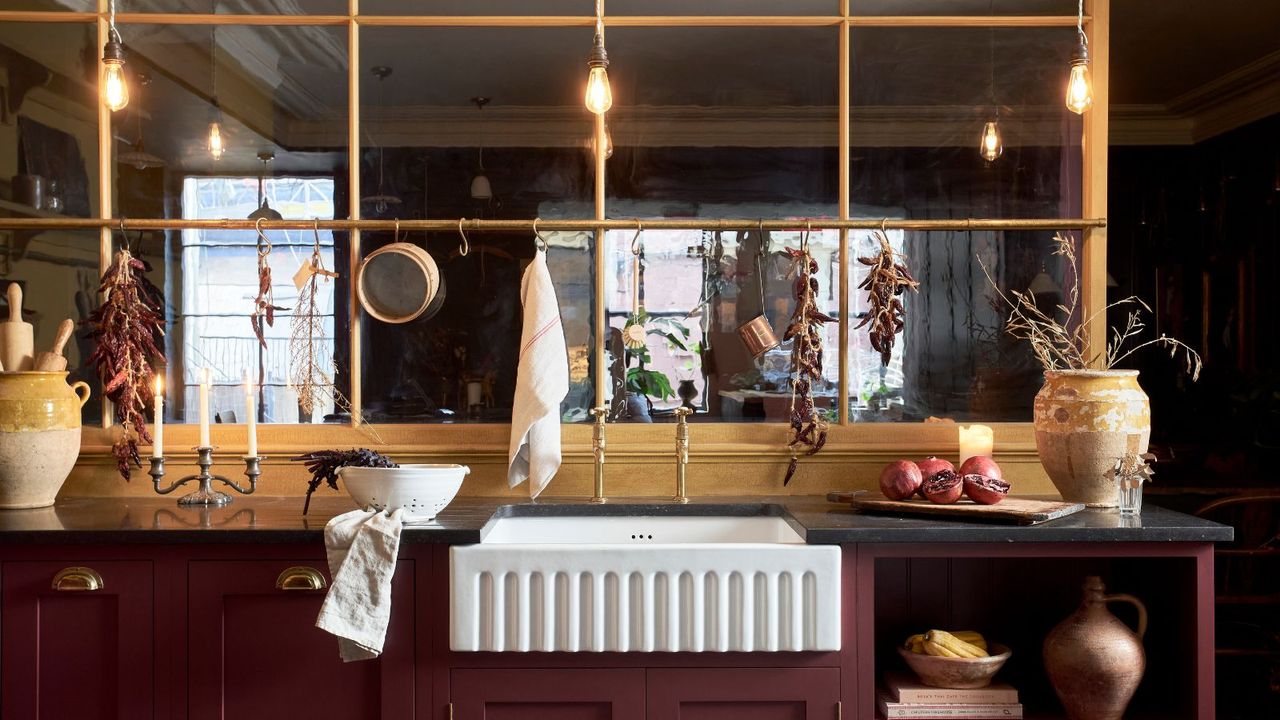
526,225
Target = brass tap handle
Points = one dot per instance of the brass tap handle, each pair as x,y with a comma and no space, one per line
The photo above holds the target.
597,449
682,453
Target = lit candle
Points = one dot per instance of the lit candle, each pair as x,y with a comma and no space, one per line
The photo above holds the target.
205,380
975,440
157,431
250,415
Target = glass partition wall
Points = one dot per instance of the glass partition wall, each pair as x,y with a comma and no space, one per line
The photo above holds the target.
360,113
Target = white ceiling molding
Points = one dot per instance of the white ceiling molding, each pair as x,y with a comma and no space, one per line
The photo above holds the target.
1244,95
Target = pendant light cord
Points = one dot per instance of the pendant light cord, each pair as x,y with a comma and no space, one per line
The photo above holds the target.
600,19
112,32
1084,39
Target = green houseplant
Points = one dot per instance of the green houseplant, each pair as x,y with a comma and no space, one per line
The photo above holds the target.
642,382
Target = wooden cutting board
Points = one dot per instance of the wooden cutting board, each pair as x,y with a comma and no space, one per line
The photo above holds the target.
1015,511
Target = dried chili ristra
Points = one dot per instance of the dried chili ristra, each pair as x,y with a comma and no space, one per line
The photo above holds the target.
885,283
264,307
808,427
128,328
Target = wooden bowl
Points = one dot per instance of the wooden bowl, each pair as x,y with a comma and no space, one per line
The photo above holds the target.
956,673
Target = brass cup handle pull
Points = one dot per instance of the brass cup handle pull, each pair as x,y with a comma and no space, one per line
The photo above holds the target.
1137,604
77,579
300,577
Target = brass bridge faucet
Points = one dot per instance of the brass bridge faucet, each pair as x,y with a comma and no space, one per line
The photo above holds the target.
682,453
597,449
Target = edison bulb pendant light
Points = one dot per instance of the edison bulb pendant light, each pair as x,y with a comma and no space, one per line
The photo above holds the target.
991,146
115,88
599,96
217,146
1080,83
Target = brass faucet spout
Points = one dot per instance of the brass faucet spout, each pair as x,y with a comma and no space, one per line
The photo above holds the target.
597,449
682,454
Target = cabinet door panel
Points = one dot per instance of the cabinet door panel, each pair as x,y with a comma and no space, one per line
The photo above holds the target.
255,650
85,654
542,694
744,694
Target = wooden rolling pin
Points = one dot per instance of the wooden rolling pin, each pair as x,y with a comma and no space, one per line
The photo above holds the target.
54,360
17,338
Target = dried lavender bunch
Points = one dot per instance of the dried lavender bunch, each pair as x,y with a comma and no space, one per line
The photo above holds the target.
324,465
886,281
808,427
128,328
1057,347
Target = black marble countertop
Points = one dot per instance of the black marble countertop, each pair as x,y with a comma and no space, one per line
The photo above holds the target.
280,519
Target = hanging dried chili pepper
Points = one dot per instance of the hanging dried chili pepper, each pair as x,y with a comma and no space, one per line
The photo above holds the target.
885,283
264,307
808,427
128,328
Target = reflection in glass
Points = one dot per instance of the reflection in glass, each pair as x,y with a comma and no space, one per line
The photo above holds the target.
953,359
722,7
477,7
278,96
689,292
962,7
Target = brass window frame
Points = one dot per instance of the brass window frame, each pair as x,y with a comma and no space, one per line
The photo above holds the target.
864,438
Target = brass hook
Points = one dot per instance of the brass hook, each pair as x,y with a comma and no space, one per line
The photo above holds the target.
883,223
396,237
539,242
465,247
264,243
808,230
636,249
315,231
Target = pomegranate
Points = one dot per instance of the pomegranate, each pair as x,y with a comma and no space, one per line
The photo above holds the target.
900,479
931,465
985,490
943,487
981,465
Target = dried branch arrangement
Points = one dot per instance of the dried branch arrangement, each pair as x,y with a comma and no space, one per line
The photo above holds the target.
1057,347
885,283
264,305
324,465
808,426
308,376
128,328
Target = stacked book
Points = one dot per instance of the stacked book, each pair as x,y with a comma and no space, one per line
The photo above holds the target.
906,697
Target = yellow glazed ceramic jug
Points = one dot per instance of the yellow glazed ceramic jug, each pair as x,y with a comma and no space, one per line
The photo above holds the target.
1085,420
39,436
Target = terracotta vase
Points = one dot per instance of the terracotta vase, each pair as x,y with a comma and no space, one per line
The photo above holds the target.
1093,660
39,436
1084,421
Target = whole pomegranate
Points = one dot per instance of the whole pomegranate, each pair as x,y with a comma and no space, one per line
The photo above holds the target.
900,479
943,487
985,490
981,465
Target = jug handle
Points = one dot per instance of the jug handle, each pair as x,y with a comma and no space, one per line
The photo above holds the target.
79,385
1142,609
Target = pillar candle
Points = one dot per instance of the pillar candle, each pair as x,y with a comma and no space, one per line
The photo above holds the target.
975,440
204,408
157,430
250,416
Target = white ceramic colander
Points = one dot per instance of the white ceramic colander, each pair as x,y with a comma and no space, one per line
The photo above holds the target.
422,490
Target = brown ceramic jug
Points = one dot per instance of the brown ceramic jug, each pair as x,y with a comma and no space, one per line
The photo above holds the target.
1094,661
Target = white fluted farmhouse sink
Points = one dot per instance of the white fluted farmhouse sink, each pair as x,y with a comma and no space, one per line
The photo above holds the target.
644,579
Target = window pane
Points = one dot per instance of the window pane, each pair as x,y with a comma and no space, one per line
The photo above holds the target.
477,7
722,7
750,129
278,94
962,7
696,289
920,99
52,5
239,7
953,359
49,135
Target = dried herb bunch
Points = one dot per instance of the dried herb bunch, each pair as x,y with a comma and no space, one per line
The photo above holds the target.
808,426
128,328
324,465
1057,347
264,305
885,283
310,379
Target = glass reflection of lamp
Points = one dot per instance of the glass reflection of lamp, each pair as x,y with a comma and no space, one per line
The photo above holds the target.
215,143
380,200
599,96
115,87
137,156
264,211
991,146
481,189
1080,82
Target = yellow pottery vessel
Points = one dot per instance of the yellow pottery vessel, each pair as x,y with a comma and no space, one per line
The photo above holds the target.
39,436
1085,420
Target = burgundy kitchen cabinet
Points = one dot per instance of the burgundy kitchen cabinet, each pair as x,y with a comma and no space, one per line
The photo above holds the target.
568,694
744,694
254,650
77,641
